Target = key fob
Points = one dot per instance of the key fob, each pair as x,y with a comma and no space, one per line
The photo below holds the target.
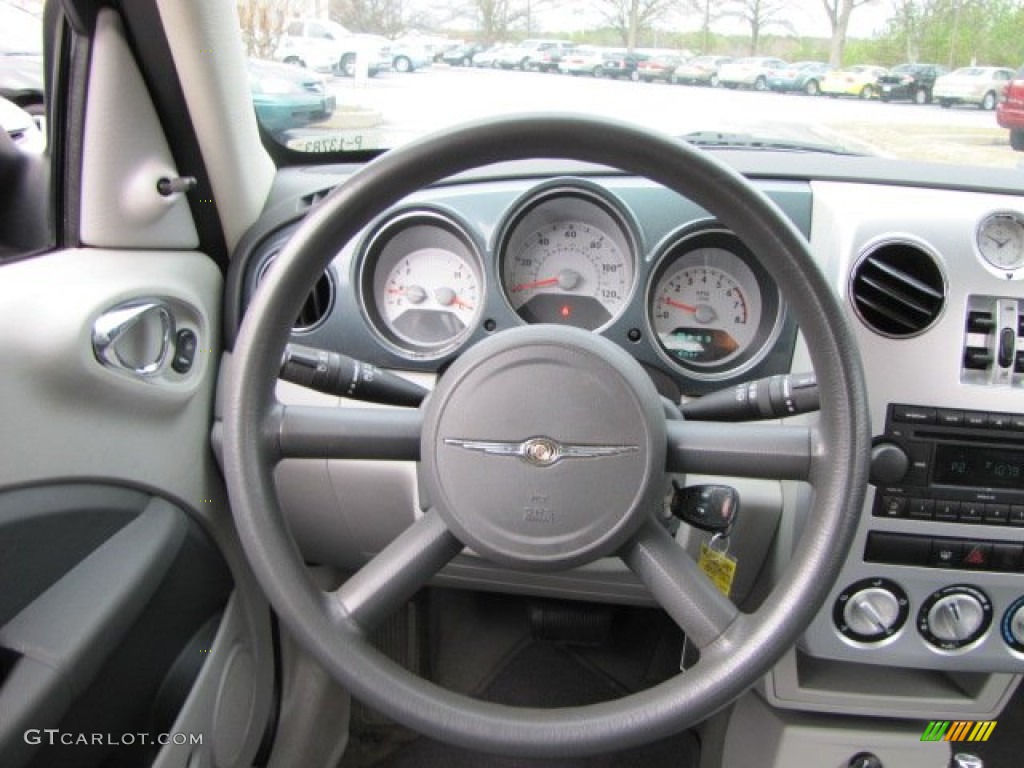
708,507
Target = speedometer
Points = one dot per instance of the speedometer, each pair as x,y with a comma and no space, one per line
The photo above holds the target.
568,256
713,310
568,272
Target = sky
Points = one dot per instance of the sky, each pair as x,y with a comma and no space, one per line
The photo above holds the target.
807,17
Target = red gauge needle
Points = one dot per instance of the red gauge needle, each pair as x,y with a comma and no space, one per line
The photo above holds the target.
535,284
678,305
460,303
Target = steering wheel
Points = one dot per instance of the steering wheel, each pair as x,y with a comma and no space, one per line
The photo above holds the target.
537,481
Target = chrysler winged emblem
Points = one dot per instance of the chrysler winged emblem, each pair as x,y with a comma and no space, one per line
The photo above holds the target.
541,451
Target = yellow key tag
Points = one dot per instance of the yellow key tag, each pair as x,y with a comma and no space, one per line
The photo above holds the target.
719,567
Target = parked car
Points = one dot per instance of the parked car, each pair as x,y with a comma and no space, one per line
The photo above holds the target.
702,70
621,64
860,80
1010,111
751,72
549,59
326,46
980,86
803,76
660,67
488,58
527,55
584,60
409,57
910,82
21,58
462,55
287,97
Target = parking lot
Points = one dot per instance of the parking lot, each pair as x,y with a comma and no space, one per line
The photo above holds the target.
409,105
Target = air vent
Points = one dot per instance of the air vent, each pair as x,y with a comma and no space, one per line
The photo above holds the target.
317,305
308,201
898,289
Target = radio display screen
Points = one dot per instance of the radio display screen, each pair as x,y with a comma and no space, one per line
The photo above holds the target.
978,467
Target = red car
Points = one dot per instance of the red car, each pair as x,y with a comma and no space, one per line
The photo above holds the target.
1010,112
657,68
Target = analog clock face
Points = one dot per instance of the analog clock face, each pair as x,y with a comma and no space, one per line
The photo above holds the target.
1001,240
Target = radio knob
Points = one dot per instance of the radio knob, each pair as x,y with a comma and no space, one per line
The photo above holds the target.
1017,625
870,610
955,617
889,464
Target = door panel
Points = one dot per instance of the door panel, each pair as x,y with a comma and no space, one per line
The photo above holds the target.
127,606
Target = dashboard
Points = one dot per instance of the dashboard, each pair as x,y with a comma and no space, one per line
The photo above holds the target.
927,263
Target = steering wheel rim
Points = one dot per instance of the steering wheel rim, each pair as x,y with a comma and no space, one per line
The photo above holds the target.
330,626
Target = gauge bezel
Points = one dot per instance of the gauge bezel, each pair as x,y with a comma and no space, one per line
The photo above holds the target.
597,208
710,234
372,253
1016,273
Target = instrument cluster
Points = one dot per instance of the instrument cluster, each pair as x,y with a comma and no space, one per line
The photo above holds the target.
428,280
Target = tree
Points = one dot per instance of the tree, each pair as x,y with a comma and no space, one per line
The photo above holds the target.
839,12
630,17
709,12
760,15
263,22
379,17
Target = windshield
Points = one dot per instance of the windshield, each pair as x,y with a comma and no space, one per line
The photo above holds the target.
387,72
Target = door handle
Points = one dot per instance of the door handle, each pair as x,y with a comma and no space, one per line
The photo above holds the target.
136,337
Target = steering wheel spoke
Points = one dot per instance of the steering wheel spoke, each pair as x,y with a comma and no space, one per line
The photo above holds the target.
742,450
317,432
678,585
393,575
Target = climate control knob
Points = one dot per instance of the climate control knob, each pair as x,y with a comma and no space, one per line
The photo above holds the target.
870,610
1013,625
955,617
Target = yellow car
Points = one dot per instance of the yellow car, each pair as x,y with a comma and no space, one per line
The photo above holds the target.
860,80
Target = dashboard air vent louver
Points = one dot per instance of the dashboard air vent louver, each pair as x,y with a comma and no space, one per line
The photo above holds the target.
897,289
317,305
308,201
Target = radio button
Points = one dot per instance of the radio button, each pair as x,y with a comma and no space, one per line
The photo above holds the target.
948,418
975,419
1016,514
891,506
921,509
1017,422
997,514
947,553
947,510
913,414
971,512
1000,420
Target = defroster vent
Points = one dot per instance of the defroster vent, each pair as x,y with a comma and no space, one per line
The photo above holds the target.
898,289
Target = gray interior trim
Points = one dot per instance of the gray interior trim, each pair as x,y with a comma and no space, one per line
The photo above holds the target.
125,154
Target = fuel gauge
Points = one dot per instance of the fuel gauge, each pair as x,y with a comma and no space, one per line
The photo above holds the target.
422,284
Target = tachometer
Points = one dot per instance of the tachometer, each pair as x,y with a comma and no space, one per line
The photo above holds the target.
422,283
712,309
568,257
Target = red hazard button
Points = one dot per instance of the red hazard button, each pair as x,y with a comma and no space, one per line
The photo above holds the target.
977,556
